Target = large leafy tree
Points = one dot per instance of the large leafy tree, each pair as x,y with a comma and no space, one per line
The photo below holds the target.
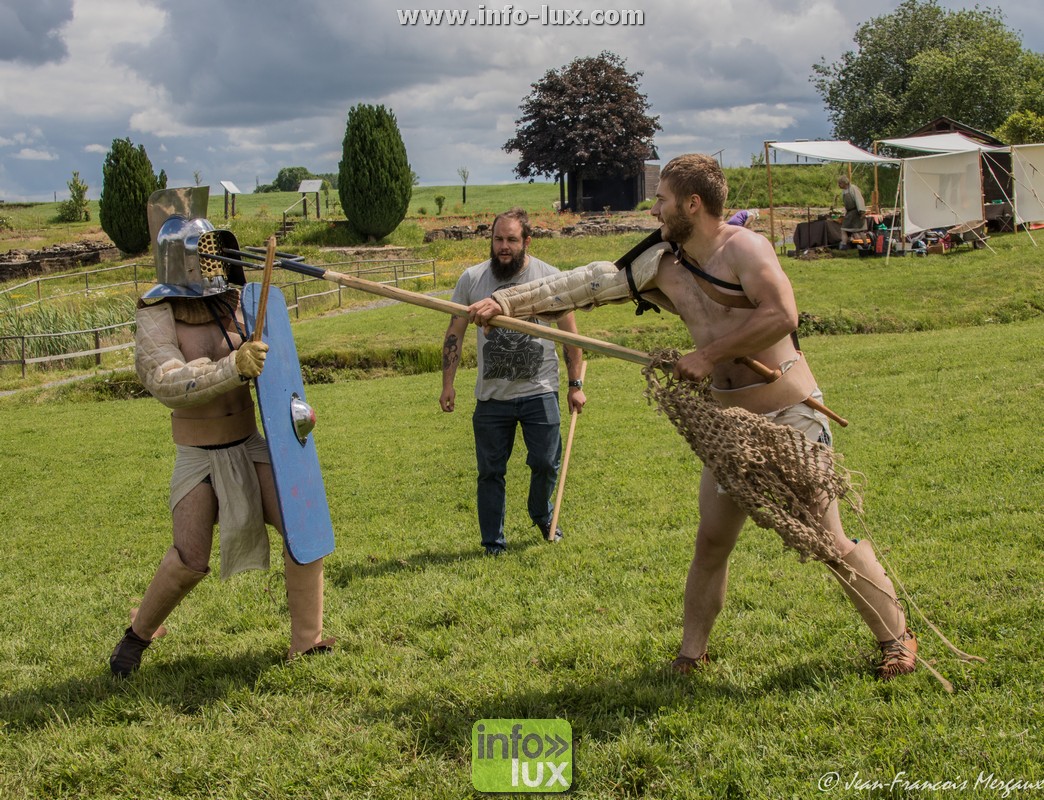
921,62
289,178
589,116
374,180
127,183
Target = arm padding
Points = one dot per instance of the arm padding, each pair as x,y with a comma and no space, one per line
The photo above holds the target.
596,284
162,369
584,287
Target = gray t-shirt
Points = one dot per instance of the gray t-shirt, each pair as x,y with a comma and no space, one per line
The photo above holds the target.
510,364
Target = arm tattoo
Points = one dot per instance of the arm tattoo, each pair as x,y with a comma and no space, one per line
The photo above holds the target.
450,352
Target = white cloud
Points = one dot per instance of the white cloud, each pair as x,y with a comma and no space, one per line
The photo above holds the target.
240,94
29,154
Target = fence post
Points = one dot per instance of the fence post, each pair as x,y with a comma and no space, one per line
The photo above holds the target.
86,283
39,299
97,346
135,277
297,303
338,295
23,357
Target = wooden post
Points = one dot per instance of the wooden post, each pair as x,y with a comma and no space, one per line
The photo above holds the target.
772,215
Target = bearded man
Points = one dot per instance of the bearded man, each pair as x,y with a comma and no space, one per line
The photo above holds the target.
517,384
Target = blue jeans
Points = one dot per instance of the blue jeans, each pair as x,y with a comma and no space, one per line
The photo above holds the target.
495,422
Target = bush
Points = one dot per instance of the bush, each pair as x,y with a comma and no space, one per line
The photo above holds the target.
374,178
127,183
76,208
440,201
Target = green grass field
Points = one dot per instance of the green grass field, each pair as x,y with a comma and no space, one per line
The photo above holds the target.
943,392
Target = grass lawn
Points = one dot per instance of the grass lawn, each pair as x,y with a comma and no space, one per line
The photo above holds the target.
433,638
943,393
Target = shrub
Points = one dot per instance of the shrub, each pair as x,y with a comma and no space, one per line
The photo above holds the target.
440,200
374,177
76,208
127,182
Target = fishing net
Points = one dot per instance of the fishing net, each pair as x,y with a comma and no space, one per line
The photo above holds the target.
781,479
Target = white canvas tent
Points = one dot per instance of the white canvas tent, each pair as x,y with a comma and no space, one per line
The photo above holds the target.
941,191
1027,161
835,150
952,142
950,193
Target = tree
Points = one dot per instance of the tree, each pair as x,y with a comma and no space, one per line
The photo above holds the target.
464,173
374,177
289,178
76,208
1022,127
589,117
922,62
127,182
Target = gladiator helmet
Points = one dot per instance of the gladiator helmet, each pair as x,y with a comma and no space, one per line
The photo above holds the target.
184,243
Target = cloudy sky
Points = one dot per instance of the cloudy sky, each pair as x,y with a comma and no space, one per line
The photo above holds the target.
237,89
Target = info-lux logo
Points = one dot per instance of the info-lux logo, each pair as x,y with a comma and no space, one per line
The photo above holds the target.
521,755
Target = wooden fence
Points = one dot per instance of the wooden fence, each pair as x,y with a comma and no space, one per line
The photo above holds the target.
22,346
295,291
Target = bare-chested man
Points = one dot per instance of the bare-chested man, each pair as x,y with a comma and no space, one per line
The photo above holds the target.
193,356
726,284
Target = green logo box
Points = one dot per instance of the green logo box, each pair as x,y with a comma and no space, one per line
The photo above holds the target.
521,755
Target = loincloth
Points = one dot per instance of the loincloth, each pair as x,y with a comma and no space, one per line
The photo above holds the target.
792,387
243,537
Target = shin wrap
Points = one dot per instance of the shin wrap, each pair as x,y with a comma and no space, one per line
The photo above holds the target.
304,597
864,580
172,581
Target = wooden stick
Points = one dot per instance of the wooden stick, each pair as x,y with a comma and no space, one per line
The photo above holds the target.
266,282
772,374
565,461
510,323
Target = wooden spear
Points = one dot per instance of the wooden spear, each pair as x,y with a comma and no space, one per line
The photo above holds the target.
266,282
565,463
512,324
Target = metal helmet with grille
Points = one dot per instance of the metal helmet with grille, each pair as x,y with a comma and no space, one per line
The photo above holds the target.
182,240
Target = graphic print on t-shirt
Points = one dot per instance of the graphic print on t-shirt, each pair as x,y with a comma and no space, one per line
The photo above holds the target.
510,355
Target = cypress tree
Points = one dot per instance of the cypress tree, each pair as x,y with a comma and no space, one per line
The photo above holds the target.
127,182
374,177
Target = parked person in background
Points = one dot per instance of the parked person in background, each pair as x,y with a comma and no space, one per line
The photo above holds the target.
743,218
854,220
517,384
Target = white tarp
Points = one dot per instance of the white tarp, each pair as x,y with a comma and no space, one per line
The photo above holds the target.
1027,168
939,143
941,191
831,151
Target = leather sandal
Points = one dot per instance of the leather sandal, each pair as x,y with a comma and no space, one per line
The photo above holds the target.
683,665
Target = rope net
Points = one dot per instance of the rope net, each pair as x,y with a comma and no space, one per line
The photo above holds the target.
781,479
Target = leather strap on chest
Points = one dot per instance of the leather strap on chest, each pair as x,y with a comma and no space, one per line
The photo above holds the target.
709,284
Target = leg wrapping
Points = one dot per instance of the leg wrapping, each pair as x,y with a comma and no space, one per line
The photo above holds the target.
864,581
304,597
173,580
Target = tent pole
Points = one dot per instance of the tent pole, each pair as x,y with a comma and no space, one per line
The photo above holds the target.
772,216
875,200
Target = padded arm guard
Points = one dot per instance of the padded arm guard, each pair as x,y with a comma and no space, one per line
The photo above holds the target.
596,284
162,369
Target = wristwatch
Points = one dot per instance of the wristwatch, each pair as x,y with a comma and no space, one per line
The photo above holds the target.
576,384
